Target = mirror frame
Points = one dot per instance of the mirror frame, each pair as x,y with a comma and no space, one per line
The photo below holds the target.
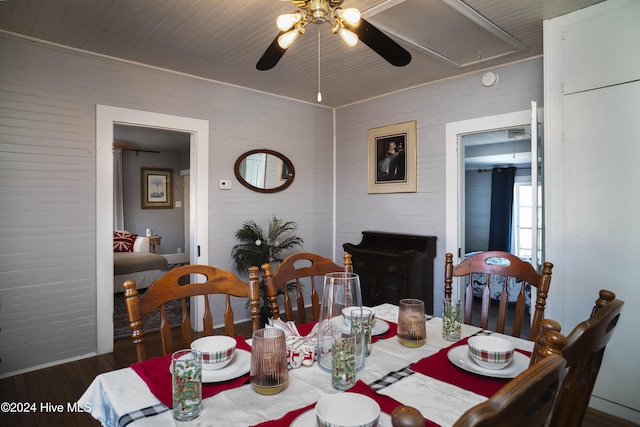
285,159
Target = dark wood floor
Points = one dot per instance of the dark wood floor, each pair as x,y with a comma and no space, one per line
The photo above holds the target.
64,384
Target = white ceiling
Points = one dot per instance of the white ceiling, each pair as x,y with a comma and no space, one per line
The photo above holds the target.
498,148
136,138
223,40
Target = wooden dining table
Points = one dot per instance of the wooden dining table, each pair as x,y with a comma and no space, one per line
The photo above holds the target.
393,374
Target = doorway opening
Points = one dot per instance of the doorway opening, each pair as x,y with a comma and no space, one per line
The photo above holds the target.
165,230
470,161
106,119
484,152
455,172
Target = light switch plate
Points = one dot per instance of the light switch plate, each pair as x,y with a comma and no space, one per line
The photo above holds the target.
224,184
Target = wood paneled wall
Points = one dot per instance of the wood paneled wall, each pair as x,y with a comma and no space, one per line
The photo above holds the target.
48,98
432,106
47,144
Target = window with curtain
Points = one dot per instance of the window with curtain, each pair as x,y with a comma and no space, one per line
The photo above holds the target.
522,218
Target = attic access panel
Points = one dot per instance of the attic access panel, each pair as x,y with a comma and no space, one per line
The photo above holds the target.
449,30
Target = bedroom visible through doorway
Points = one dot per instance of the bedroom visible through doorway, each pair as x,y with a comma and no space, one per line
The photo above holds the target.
106,118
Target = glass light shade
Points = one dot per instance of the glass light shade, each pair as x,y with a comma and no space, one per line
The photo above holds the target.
284,22
350,15
285,40
349,38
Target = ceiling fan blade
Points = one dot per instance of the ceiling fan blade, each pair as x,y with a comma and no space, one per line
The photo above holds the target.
380,43
271,56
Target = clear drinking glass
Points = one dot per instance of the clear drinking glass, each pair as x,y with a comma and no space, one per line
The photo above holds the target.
340,290
451,319
269,371
343,360
412,329
361,323
186,368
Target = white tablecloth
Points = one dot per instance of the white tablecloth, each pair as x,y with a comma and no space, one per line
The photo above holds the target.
113,395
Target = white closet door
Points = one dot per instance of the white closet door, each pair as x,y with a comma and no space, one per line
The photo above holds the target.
600,223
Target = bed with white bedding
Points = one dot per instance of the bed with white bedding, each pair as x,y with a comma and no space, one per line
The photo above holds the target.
135,262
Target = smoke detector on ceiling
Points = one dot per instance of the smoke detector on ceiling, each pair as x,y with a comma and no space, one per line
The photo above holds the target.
489,79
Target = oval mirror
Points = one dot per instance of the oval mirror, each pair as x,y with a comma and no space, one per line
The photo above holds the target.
265,171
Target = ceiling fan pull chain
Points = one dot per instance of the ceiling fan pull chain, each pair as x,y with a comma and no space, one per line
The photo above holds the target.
319,94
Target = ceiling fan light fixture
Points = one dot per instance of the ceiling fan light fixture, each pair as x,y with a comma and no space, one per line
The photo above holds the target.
349,15
285,40
347,22
286,21
318,10
349,38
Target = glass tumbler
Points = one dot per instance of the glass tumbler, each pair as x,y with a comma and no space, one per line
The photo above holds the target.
361,323
269,371
412,328
186,373
451,319
340,290
343,360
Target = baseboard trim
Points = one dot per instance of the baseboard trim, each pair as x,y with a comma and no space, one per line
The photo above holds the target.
615,409
47,365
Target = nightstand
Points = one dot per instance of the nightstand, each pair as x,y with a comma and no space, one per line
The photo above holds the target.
154,242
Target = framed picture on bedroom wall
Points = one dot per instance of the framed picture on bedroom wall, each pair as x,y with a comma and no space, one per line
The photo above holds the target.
392,159
157,188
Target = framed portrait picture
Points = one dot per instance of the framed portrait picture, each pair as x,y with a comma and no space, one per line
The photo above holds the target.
392,159
157,188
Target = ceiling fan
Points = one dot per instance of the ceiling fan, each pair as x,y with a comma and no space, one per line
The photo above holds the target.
346,22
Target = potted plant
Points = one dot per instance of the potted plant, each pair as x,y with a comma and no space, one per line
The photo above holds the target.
256,247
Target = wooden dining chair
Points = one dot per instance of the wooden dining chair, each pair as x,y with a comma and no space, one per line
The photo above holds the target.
549,341
498,269
180,283
300,270
525,401
584,350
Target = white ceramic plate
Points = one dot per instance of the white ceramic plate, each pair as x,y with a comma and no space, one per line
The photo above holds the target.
379,327
460,357
239,365
308,419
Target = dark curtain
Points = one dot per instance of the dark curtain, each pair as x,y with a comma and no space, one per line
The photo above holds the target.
501,208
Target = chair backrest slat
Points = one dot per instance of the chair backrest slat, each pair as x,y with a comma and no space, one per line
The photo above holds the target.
165,331
187,335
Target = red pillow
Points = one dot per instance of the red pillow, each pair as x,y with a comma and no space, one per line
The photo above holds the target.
123,241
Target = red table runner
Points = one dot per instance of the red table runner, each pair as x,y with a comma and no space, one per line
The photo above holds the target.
392,332
155,373
439,366
387,405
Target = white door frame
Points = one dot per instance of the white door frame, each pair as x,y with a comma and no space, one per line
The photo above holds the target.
106,118
454,169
